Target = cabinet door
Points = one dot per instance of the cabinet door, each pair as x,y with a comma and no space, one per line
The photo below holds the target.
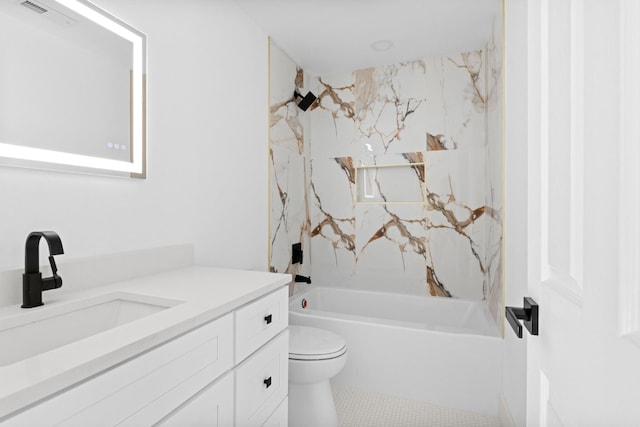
262,382
280,418
212,407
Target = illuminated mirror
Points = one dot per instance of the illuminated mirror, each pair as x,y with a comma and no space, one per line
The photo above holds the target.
72,88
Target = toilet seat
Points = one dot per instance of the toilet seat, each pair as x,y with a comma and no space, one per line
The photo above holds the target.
307,343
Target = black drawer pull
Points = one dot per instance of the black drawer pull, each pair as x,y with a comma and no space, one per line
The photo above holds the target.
267,382
267,319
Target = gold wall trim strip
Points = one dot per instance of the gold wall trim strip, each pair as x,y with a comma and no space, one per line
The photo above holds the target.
504,172
269,154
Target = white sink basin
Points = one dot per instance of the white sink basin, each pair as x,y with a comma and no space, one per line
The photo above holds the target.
46,328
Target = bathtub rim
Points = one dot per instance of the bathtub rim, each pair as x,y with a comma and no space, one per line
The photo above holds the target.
296,310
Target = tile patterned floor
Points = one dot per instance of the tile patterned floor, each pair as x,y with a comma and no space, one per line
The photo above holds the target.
359,408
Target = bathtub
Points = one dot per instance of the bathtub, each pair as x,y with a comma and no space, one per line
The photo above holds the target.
439,350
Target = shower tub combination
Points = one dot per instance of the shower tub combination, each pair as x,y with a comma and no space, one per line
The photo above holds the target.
439,350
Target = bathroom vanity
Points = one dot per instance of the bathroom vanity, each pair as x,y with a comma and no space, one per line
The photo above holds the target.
194,346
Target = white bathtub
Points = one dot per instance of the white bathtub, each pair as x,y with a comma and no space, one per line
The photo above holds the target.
439,350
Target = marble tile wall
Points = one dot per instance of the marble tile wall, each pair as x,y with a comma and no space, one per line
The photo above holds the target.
494,169
445,112
288,157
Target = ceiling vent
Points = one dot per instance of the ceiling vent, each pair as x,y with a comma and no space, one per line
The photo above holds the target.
33,6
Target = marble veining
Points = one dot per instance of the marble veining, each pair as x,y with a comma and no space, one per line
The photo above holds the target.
332,97
472,63
439,142
338,231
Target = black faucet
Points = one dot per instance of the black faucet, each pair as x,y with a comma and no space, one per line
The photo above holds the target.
32,282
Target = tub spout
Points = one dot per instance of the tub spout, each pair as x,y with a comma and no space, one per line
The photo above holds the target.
303,279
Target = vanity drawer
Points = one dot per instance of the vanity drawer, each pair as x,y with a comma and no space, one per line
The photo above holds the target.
259,321
148,385
261,382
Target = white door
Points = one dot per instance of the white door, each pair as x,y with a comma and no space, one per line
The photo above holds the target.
583,212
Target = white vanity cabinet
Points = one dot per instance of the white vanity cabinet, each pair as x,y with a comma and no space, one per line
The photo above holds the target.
230,371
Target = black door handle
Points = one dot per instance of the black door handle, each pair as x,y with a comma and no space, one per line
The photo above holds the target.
267,382
268,318
529,314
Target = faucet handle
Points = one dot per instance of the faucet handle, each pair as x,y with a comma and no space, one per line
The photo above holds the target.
54,267
55,281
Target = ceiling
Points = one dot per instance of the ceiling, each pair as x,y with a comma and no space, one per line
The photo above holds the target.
331,36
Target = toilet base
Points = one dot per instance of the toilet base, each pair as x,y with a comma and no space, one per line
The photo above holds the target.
311,405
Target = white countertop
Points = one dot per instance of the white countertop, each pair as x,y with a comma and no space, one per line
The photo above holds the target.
207,293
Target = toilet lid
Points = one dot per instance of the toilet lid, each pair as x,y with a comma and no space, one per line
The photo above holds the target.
306,343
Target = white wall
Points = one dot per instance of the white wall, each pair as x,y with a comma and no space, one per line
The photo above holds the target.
206,185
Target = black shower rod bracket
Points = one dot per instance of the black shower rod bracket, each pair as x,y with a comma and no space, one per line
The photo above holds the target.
528,314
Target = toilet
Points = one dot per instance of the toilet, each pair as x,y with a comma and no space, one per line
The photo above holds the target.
315,356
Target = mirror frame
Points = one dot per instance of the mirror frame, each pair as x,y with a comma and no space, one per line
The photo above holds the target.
17,155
